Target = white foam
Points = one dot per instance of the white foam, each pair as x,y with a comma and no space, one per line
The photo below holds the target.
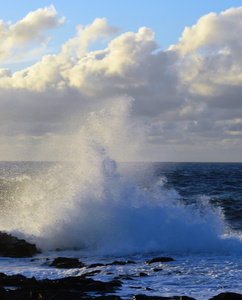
89,202
198,276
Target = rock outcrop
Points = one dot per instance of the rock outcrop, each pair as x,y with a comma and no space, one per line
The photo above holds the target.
159,259
144,297
67,263
11,246
79,287
227,296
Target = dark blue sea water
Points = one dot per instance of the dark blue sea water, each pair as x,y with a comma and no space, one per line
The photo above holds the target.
221,183
106,210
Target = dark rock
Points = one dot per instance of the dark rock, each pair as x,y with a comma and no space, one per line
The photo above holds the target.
227,296
120,263
159,259
11,246
157,269
15,280
145,297
2,292
66,263
61,289
130,262
109,297
142,274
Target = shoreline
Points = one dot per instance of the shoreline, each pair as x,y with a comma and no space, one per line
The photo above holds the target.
79,287
85,287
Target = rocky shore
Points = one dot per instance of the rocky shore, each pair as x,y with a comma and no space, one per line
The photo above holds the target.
20,287
72,288
11,246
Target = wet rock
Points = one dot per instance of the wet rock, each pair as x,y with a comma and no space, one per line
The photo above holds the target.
2,292
15,280
227,296
142,274
11,246
109,297
61,289
130,262
66,263
120,263
159,259
157,269
145,297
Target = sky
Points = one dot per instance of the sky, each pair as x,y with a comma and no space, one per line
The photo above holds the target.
147,80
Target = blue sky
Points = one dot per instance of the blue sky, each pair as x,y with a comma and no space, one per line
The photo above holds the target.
167,18
172,70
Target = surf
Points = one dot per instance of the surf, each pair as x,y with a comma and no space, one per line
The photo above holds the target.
87,200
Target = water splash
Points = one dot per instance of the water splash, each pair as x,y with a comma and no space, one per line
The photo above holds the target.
87,201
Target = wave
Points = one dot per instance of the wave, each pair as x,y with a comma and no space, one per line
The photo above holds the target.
88,201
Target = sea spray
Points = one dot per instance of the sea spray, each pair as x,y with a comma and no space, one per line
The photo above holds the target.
87,201
46,204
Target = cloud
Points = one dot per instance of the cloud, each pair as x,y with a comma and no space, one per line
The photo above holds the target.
212,32
188,96
78,45
17,39
210,52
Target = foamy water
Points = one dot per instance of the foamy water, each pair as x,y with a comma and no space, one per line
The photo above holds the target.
107,211
194,275
104,210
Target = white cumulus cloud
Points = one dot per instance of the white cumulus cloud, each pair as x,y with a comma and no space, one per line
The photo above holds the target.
30,31
188,96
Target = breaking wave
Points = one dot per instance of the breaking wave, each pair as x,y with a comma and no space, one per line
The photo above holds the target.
90,201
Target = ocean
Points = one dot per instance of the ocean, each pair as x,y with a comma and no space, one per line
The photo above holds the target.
100,211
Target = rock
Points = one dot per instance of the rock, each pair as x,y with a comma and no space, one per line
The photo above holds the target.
145,297
130,262
120,263
114,263
66,263
61,289
157,269
11,246
159,259
227,296
109,297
